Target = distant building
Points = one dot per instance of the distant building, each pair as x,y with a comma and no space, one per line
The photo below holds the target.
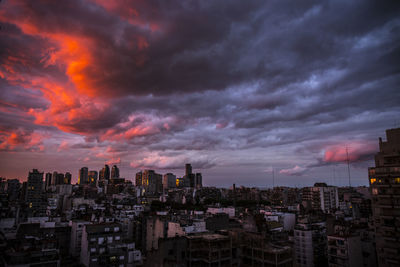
48,180
13,188
344,249
321,197
104,173
384,180
198,181
67,178
138,179
152,181
92,177
33,196
83,176
114,172
169,181
76,237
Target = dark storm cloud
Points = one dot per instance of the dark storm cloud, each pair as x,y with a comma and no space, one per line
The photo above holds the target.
222,76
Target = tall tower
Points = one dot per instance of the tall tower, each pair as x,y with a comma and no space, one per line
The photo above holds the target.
104,173
384,180
114,172
188,170
83,175
33,195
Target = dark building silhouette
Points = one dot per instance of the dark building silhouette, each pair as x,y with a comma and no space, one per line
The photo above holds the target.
384,180
33,195
104,173
67,178
92,177
48,180
83,176
138,179
114,172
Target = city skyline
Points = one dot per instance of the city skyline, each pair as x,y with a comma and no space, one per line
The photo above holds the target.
239,90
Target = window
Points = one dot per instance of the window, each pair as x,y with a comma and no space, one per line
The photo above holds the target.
93,239
101,240
117,237
121,257
102,250
94,259
93,250
372,180
109,239
106,229
116,229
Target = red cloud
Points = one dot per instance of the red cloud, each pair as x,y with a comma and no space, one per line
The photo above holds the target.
356,151
21,140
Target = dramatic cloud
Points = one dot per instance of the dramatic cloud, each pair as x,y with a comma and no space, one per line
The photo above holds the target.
230,86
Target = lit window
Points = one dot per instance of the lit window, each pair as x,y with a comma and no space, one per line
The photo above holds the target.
109,239
397,180
373,180
374,191
94,259
116,229
117,238
121,257
93,250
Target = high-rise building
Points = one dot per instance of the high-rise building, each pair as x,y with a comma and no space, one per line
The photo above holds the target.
199,181
138,179
67,178
60,178
92,177
321,197
33,196
114,172
48,180
384,180
188,169
13,188
152,181
54,178
104,173
310,244
83,176
169,181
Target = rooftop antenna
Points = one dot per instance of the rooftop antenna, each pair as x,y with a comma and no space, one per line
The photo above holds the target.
273,178
348,164
334,176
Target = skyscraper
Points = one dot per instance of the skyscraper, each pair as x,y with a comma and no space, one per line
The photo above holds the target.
104,173
83,175
92,177
384,180
188,170
138,179
67,178
114,172
48,180
33,196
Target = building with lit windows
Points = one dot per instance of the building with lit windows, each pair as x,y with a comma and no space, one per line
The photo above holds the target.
384,181
33,195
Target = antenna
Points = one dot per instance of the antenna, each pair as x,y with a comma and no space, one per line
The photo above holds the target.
348,164
273,178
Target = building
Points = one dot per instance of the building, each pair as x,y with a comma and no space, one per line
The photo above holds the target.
199,180
99,245
92,177
48,181
13,188
310,244
76,237
169,181
138,179
384,180
114,172
321,197
33,196
67,178
104,173
152,181
344,249
83,176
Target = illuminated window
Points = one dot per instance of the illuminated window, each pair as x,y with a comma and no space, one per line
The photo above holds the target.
397,180
373,180
30,205
374,191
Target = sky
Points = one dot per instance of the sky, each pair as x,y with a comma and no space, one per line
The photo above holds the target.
240,89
